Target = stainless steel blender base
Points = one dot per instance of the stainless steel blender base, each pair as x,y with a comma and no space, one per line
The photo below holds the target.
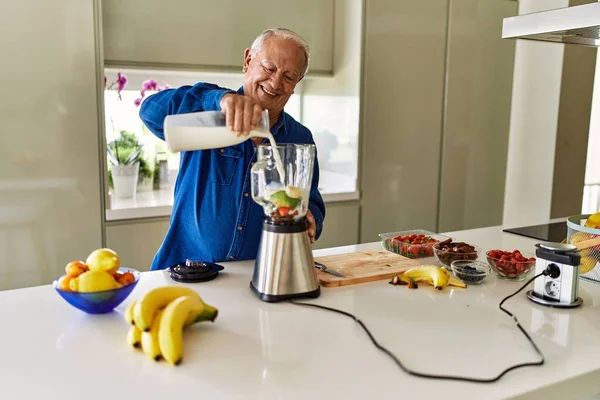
539,300
274,298
285,268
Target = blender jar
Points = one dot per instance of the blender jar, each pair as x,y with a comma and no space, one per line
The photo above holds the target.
283,194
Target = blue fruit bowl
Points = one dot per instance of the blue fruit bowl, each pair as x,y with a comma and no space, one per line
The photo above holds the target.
99,302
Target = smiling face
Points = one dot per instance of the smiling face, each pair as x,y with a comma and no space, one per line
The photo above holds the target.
273,72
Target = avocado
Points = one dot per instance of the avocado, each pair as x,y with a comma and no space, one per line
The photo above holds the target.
281,199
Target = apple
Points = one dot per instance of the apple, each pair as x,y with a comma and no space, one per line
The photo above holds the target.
103,260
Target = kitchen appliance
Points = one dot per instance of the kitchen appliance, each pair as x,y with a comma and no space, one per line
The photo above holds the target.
560,287
194,271
552,232
284,267
576,25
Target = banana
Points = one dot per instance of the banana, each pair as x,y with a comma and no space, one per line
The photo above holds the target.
156,299
436,276
150,339
200,313
170,332
456,282
134,337
129,312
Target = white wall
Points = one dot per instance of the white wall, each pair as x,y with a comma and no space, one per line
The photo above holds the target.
533,124
546,107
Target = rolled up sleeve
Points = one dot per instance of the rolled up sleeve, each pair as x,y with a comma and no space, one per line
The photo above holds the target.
185,99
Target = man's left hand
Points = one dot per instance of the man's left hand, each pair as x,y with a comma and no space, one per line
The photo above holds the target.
312,227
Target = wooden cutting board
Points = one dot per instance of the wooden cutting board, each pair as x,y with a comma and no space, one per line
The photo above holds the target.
364,266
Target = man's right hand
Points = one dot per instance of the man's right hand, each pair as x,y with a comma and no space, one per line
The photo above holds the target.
242,113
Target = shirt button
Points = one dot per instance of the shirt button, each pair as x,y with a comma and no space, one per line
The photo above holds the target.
231,257
246,195
240,228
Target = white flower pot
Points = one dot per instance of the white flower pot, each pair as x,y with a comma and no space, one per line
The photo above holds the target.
125,179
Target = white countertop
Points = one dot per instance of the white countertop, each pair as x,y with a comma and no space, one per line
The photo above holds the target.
257,350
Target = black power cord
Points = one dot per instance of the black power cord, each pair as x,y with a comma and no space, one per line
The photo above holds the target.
451,377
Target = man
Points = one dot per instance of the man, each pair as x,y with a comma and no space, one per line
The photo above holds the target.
214,217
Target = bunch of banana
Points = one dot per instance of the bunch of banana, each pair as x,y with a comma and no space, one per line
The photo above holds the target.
158,318
438,277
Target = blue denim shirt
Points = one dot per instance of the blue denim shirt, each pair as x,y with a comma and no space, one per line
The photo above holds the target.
214,217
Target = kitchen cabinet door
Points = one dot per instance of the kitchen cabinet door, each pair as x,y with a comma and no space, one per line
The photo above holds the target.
403,96
200,34
477,114
50,198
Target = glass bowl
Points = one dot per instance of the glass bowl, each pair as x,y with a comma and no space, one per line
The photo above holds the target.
456,253
99,302
471,272
511,268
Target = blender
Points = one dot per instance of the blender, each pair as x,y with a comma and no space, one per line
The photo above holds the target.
281,182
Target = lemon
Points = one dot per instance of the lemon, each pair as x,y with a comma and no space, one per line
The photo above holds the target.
104,260
93,281
593,221
579,237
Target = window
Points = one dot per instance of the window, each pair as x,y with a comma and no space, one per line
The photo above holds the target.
333,120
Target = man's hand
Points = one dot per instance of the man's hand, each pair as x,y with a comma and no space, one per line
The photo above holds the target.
242,113
312,227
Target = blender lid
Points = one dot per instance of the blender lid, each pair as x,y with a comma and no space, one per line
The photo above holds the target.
557,247
194,271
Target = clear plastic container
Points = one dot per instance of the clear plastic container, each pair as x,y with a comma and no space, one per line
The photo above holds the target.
283,197
403,242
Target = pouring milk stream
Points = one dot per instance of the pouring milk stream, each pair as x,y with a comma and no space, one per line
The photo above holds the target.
207,130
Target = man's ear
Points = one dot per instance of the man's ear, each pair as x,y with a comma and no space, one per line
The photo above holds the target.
247,58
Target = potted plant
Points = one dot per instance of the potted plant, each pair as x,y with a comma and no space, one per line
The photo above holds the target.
127,165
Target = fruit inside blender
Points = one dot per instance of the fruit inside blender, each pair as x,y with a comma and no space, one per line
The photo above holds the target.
283,190
286,201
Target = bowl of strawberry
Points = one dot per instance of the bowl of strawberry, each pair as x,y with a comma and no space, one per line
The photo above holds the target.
416,243
510,265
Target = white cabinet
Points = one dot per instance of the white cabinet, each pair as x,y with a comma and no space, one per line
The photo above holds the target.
50,199
209,34
402,101
479,73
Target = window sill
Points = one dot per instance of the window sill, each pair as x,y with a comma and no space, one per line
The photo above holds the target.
159,203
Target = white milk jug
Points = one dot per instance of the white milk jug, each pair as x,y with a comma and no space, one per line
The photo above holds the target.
206,130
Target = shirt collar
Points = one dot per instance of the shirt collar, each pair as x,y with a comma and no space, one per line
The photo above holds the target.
279,128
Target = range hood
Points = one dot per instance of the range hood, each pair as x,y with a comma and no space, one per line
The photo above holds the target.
576,24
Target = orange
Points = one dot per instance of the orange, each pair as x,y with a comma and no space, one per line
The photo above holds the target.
64,283
124,279
127,278
76,268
